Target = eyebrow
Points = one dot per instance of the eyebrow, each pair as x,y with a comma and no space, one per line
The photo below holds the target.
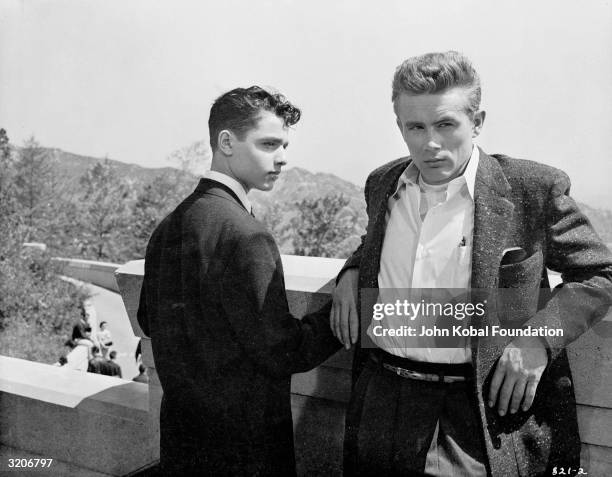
273,139
441,119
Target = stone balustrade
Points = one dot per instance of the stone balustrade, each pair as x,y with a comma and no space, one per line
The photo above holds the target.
319,396
101,274
108,427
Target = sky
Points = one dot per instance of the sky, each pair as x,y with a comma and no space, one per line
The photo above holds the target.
134,79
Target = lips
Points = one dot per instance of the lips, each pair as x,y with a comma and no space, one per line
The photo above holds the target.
435,162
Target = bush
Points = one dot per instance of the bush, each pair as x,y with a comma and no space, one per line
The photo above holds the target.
37,308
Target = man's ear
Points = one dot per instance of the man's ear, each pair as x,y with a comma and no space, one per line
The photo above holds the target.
225,142
479,119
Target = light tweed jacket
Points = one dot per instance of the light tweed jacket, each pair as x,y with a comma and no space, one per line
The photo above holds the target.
525,204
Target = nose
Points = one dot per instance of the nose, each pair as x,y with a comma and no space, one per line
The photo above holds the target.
281,158
433,141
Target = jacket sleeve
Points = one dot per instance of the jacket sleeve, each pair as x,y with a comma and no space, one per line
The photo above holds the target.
255,302
585,263
149,282
354,261
142,310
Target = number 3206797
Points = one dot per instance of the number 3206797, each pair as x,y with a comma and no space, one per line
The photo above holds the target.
29,463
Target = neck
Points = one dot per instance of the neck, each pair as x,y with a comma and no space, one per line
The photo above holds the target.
220,164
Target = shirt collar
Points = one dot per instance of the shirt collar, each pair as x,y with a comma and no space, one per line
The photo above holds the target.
470,171
233,184
411,175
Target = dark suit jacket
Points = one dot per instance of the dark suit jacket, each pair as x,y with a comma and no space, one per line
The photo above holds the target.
523,204
114,368
99,365
225,345
78,330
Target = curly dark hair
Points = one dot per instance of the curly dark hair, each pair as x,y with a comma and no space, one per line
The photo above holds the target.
238,110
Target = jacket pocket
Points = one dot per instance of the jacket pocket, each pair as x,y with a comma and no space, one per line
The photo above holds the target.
519,288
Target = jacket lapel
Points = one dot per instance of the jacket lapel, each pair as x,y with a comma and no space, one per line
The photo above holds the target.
380,198
492,214
492,217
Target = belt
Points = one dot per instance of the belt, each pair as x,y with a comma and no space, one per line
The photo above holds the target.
408,373
434,372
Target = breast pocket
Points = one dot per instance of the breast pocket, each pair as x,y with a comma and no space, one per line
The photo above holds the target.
461,259
519,285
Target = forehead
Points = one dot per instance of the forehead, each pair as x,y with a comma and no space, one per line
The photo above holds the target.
425,107
268,125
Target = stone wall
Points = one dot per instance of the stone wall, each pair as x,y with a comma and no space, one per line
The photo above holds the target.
319,396
99,424
97,273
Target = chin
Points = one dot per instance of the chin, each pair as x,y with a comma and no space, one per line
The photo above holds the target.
265,187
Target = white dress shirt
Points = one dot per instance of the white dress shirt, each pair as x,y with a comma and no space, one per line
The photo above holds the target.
427,244
233,184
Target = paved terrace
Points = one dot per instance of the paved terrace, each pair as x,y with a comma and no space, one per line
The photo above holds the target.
95,425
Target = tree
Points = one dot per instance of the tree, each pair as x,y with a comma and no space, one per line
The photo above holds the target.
5,147
37,308
7,192
274,217
10,221
193,159
153,202
36,188
103,211
321,225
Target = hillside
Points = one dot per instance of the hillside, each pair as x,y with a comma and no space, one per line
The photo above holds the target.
292,186
72,166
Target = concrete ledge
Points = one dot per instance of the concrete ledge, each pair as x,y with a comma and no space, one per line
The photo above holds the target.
52,384
102,425
129,281
84,420
97,273
56,468
596,460
309,281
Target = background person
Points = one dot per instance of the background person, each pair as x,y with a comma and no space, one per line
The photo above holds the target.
105,338
81,351
142,377
114,368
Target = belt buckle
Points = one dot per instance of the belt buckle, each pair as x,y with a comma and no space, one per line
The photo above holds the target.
410,374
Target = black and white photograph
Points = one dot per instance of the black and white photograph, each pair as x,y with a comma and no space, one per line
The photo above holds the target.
325,238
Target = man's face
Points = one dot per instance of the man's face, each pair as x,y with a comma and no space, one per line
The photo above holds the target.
438,132
256,160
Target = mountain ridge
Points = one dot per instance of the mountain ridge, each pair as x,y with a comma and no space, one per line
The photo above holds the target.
293,185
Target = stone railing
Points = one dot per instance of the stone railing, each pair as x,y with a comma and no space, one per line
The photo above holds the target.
319,422
101,274
111,427
89,424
